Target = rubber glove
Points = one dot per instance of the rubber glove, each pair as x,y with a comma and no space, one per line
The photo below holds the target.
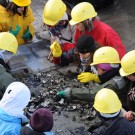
16,31
56,49
56,52
27,35
61,94
87,77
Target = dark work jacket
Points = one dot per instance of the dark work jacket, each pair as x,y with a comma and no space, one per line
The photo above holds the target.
5,80
27,131
118,126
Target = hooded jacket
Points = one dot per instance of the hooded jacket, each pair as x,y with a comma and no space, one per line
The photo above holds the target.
7,20
9,125
15,99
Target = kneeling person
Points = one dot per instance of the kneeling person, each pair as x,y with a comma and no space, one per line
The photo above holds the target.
108,108
106,63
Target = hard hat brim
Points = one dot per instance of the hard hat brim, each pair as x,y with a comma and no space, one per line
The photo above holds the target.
95,63
122,73
51,23
72,22
22,4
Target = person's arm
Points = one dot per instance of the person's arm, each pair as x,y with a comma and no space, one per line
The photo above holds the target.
82,94
30,25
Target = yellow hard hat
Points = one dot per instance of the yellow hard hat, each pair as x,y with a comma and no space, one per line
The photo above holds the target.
105,55
81,12
107,101
8,42
54,10
22,3
128,64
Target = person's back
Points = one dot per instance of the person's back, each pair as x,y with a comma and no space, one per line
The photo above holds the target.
121,126
9,125
27,131
41,123
115,126
8,44
108,107
15,99
5,80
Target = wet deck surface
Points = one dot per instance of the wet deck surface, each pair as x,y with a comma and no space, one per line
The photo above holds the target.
120,16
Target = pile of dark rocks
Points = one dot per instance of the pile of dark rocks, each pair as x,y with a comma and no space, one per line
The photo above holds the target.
44,88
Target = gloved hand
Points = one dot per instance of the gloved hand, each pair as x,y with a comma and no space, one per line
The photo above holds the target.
56,49
27,35
16,31
87,77
60,94
56,52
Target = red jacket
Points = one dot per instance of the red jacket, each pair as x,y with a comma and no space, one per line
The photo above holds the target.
105,36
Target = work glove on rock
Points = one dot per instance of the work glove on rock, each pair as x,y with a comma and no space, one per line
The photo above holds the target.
16,31
27,35
60,95
87,77
56,52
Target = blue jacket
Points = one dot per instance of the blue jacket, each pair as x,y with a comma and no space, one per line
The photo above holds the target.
9,125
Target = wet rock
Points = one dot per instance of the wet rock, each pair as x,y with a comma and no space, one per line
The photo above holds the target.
44,88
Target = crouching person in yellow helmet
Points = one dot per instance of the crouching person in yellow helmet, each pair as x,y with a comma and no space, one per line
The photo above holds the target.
128,70
85,18
108,108
56,19
8,43
106,65
16,17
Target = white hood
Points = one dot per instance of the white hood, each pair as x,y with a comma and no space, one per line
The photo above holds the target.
15,99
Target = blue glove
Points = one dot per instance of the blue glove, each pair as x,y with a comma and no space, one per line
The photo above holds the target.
16,31
27,35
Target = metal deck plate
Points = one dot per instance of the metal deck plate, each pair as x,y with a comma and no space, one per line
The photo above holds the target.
41,48
32,56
